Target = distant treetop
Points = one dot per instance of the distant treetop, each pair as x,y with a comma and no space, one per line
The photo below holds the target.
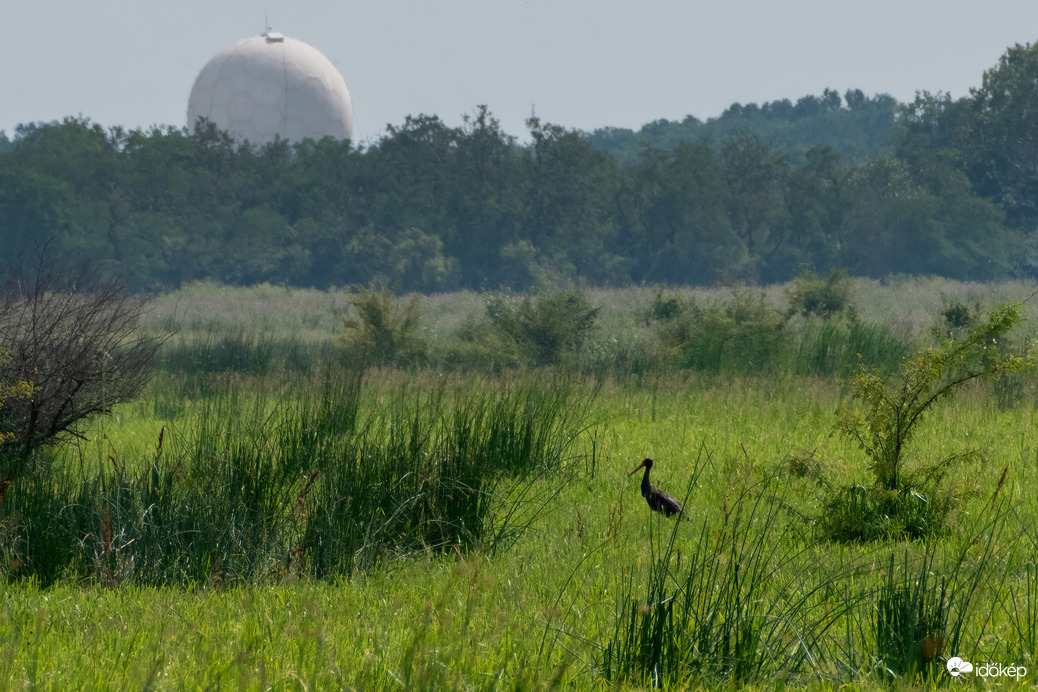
856,126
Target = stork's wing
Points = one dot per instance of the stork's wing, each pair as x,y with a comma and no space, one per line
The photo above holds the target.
662,502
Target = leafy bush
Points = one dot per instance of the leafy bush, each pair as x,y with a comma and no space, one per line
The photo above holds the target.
384,331
813,296
547,328
745,334
480,346
894,407
956,319
901,503
957,316
665,308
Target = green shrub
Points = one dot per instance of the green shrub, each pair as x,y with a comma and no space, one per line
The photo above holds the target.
547,328
894,406
384,330
903,503
957,317
745,334
665,308
480,346
319,480
812,296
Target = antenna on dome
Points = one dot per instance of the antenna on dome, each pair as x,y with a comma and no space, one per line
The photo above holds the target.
271,35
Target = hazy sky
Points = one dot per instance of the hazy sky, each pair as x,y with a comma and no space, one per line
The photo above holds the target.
578,63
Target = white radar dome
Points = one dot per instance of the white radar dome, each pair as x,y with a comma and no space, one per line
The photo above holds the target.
272,85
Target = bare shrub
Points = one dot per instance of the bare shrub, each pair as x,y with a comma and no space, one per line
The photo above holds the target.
75,340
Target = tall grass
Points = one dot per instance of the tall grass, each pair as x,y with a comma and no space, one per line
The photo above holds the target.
838,346
310,482
734,606
739,595
243,351
739,601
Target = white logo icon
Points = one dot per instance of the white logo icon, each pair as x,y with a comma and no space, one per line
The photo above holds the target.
957,666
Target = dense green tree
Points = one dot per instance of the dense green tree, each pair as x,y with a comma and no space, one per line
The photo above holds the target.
73,164
485,197
900,219
857,127
928,125
756,177
674,214
334,181
570,201
156,178
976,244
334,191
409,166
998,137
814,211
30,204
432,207
260,246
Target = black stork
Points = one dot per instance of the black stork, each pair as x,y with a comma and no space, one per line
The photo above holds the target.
658,500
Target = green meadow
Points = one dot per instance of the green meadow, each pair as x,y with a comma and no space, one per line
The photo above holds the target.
268,515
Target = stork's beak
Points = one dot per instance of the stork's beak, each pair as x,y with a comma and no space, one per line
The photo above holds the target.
640,466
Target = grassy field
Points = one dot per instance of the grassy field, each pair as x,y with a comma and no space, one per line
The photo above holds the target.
561,576
910,304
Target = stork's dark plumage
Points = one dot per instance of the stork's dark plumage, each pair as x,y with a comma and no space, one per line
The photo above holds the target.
658,500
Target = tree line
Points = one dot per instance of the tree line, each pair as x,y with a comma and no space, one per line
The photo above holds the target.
951,189
856,126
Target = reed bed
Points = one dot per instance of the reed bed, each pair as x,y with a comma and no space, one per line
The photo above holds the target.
248,485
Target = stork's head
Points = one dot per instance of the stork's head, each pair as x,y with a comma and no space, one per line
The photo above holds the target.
646,464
